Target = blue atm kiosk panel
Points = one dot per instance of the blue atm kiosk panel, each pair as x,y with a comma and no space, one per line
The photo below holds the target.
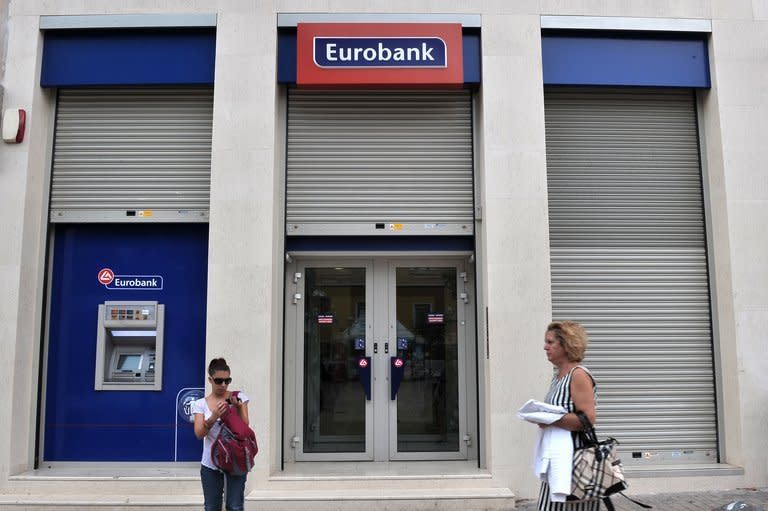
82,423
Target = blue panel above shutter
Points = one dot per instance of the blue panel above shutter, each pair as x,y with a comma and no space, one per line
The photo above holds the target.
618,59
80,58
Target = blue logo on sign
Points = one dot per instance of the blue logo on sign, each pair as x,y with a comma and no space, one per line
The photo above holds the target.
184,403
136,282
377,52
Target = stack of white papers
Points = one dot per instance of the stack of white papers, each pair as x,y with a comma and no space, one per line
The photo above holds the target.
540,412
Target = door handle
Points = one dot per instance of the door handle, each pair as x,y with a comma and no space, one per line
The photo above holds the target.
375,347
386,347
364,369
396,371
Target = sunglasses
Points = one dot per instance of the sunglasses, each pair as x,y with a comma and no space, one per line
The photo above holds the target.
219,381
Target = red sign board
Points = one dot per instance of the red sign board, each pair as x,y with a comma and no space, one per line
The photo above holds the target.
379,54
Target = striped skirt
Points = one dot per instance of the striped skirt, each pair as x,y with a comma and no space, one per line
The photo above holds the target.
545,505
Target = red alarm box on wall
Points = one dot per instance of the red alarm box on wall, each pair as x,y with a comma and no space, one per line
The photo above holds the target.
14,122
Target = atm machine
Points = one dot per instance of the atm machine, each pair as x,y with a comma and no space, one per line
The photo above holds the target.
129,346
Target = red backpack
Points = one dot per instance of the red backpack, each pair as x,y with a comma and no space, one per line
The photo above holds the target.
235,445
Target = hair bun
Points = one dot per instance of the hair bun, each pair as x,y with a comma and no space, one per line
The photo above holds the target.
217,364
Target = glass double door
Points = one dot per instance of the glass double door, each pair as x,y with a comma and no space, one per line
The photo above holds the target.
381,358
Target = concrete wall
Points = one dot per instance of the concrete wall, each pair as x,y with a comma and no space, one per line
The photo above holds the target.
3,42
740,68
516,236
245,260
23,204
246,256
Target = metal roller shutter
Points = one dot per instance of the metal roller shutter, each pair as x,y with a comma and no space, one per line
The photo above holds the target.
399,159
126,154
629,261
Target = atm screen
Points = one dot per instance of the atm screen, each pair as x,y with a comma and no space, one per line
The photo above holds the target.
128,362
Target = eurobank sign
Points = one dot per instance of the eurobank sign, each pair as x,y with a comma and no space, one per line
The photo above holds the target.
379,54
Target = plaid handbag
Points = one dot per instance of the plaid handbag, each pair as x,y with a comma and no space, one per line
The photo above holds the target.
597,472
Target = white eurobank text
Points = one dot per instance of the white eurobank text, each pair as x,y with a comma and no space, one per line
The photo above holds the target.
379,54
135,282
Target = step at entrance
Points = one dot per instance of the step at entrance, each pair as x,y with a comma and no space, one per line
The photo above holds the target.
390,499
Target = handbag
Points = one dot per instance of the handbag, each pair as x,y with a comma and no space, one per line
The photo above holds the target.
597,472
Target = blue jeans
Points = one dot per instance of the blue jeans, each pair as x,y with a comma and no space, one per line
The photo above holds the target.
213,488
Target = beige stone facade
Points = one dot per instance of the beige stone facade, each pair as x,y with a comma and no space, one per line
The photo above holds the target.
246,244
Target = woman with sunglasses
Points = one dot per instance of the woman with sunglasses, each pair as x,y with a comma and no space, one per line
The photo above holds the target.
207,411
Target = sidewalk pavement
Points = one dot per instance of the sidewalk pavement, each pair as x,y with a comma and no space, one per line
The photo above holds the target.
689,501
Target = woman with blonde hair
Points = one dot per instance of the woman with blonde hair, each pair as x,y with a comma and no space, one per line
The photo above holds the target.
573,388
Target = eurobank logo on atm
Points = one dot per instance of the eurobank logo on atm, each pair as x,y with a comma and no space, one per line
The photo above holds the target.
379,54
130,282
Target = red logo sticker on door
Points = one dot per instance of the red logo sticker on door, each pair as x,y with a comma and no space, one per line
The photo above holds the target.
106,276
399,362
363,362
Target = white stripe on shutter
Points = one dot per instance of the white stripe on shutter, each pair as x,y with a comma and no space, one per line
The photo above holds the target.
123,154
629,261
401,159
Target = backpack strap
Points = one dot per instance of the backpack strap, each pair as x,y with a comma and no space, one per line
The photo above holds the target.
230,401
